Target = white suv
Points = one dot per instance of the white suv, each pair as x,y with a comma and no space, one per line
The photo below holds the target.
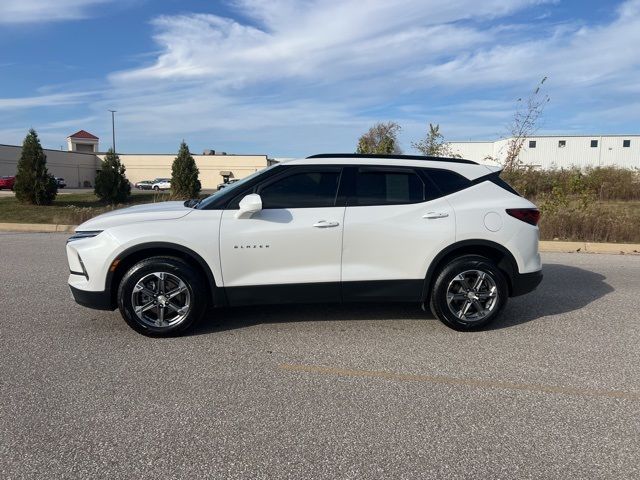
161,184
447,233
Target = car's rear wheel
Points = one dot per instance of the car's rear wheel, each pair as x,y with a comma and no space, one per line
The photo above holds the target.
156,188
162,296
469,293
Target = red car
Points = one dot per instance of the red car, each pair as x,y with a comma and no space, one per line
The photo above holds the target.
7,182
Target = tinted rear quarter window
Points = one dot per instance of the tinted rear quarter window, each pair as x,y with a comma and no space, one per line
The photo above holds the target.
495,178
447,181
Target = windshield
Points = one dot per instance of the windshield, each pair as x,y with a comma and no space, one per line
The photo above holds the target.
231,187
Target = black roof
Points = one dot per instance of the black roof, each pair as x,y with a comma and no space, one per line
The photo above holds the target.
393,157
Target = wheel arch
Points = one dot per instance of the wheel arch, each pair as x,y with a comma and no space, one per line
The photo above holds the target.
132,255
503,258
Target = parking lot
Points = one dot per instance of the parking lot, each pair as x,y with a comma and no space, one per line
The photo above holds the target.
67,191
322,391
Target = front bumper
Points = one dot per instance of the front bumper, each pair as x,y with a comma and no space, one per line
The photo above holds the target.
96,300
522,283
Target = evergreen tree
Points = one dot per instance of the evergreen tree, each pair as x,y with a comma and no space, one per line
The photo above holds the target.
184,175
112,185
381,139
34,184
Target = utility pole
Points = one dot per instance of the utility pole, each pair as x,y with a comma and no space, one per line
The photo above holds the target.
113,130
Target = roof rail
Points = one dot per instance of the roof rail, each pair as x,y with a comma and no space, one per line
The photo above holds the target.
393,157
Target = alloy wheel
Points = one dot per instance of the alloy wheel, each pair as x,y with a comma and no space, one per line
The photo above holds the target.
161,300
472,295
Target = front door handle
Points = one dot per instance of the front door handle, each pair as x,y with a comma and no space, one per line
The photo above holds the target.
431,215
325,224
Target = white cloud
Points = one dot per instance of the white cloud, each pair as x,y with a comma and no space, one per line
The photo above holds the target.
51,100
310,66
304,39
32,11
292,77
576,58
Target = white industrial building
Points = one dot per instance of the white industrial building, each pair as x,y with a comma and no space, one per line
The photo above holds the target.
561,151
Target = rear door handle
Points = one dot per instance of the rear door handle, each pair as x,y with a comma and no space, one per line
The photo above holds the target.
431,215
325,224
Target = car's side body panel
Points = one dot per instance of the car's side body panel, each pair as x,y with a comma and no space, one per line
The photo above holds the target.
281,246
394,242
481,215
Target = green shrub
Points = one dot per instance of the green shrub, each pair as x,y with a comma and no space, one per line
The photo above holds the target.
33,183
613,183
112,185
595,223
580,204
184,175
606,183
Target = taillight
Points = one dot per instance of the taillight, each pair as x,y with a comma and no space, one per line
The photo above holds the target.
528,215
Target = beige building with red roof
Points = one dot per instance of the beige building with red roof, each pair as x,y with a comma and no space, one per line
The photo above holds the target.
83,141
82,159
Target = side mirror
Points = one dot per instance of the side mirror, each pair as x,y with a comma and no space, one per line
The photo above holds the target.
249,205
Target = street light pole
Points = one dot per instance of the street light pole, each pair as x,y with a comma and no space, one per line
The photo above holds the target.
113,130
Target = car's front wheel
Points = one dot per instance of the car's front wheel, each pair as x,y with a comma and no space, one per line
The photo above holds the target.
469,292
162,296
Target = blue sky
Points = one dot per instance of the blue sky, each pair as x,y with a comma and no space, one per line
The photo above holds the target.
291,78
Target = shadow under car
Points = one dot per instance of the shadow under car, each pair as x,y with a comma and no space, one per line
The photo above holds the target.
563,289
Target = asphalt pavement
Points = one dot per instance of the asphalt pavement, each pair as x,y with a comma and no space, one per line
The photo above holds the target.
552,390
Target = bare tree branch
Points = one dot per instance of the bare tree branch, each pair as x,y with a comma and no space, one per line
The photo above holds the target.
524,124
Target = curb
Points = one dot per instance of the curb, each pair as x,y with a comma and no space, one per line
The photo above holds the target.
36,227
548,246
588,247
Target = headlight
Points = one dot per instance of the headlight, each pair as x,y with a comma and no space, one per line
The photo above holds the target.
85,234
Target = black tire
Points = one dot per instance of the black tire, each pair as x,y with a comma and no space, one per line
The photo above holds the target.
156,188
448,282
173,268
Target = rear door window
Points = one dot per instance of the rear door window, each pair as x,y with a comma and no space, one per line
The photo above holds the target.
376,186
